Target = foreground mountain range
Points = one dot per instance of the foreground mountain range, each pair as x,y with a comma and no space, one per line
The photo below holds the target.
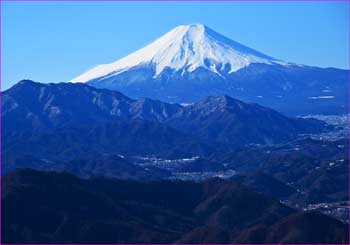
110,211
193,61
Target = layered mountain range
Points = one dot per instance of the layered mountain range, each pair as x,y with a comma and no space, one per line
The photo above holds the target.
102,135
193,61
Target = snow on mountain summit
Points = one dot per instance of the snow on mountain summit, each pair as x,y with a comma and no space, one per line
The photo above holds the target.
185,48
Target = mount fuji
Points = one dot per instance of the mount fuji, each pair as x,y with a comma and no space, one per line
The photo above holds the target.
193,61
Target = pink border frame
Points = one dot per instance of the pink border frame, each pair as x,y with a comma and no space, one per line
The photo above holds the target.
157,1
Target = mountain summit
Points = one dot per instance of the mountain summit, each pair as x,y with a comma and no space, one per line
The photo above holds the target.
193,61
185,48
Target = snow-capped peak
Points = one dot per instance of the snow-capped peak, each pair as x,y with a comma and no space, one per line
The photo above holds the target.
185,48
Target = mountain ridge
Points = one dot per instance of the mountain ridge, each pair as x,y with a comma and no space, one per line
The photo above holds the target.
116,211
103,121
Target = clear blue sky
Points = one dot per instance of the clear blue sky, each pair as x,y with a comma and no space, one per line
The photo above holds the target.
56,41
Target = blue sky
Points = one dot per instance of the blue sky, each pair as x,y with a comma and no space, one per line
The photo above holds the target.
56,41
